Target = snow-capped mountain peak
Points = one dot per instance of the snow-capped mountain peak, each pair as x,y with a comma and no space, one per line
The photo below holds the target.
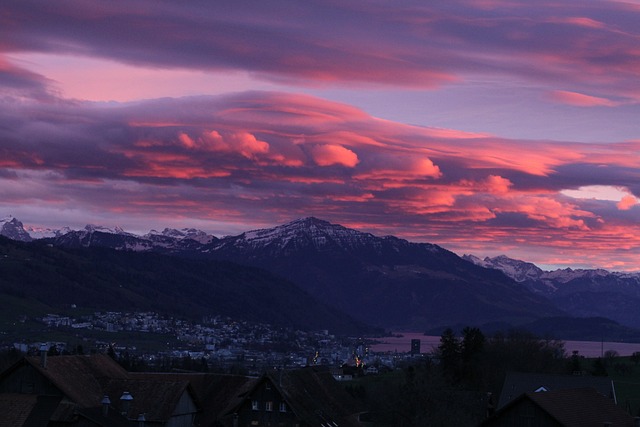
13,229
91,228
518,270
302,232
182,234
43,233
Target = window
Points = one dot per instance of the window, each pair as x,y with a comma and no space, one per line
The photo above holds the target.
255,405
283,407
268,406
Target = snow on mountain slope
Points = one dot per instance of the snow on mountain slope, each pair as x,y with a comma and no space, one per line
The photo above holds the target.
310,233
13,229
522,271
184,233
43,233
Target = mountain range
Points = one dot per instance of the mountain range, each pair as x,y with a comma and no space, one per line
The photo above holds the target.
383,281
580,292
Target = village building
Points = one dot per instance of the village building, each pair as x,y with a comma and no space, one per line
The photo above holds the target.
94,391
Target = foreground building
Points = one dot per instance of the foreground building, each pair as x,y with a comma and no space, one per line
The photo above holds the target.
94,391
582,407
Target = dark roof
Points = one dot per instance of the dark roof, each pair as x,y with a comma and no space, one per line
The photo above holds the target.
582,407
85,380
96,417
517,383
215,394
80,378
155,399
26,410
314,396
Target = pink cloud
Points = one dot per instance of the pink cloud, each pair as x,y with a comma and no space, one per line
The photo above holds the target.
240,142
627,203
413,45
580,21
327,155
497,185
190,157
580,100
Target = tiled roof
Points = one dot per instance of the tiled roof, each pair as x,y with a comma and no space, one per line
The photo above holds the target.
85,380
517,383
315,396
80,378
215,394
583,407
26,410
15,408
156,399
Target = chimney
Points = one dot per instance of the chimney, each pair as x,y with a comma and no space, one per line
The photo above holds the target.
105,405
43,355
125,402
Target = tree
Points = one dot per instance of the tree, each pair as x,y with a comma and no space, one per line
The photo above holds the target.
472,343
472,348
449,352
599,369
610,356
575,365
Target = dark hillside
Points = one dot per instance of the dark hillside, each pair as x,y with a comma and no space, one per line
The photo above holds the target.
106,279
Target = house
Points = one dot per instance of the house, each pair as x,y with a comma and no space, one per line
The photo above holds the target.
582,407
216,394
303,397
27,410
95,391
517,383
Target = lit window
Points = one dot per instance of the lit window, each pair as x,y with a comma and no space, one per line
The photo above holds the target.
283,407
268,406
255,405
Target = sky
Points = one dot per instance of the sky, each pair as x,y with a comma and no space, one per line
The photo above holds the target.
485,126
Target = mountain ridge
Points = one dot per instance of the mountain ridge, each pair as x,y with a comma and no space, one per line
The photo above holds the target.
101,278
385,281
581,292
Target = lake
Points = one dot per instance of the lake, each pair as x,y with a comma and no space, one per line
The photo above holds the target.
428,343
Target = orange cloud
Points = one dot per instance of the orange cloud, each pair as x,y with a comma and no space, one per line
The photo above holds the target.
400,167
497,185
242,142
328,154
627,203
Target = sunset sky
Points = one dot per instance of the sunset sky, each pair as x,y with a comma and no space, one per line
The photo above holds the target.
487,127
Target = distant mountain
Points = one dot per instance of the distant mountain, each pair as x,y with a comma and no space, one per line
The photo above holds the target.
383,281
105,279
582,293
42,233
13,229
169,240
182,234
390,282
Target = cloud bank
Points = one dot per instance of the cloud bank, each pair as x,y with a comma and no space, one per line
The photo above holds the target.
253,158
265,158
